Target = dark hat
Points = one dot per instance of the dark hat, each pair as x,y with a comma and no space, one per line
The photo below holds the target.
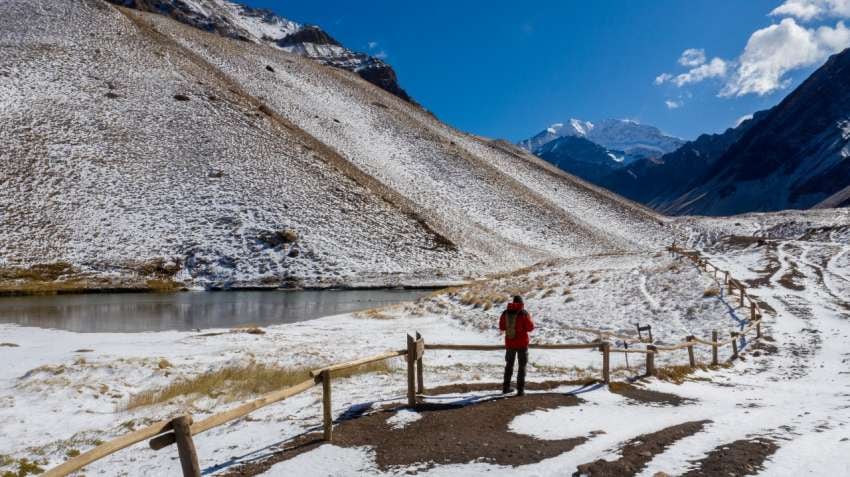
517,299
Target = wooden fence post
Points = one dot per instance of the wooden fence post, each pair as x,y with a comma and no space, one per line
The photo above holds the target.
734,345
691,359
185,446
326,405
411,371
714,361
752,310
743,293
729,290
420,373
650,360
758,329
606,362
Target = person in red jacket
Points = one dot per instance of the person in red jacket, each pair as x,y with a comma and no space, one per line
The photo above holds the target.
516,323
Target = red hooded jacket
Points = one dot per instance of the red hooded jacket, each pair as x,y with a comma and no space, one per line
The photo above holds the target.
522,326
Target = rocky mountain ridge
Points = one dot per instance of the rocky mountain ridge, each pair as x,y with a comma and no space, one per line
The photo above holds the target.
241,22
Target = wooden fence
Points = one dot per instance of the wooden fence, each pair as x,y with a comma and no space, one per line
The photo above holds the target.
180,429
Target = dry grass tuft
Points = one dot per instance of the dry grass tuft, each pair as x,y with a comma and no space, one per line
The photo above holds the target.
679,373
40,272
9,345
164,364
248,329
711,292
25,467
234,383
373,314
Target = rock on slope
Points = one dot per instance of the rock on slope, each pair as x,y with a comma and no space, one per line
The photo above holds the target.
241,22
138,150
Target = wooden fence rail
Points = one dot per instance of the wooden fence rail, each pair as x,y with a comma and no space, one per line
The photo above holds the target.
180,429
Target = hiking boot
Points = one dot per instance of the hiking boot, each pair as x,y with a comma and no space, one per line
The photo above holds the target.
507,390
521,392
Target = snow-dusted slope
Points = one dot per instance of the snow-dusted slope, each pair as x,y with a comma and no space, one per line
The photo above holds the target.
178,155
235,20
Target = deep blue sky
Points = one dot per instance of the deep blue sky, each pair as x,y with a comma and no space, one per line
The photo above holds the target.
508,69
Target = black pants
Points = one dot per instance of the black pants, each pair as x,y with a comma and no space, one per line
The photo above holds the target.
510,359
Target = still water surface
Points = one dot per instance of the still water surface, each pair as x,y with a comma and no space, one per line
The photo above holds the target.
137,312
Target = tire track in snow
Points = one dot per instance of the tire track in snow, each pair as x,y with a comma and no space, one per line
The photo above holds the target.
653,304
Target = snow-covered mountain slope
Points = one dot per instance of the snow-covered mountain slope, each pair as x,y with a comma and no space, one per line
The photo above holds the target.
140,151
658,181
631,139
242,22
796,157
635,139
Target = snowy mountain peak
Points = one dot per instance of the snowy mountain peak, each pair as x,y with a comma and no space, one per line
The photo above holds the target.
632,137
628,137
574,128
581,128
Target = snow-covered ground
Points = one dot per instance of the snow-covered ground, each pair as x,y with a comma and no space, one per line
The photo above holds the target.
85,379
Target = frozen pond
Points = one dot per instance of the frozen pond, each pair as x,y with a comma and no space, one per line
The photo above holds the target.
137,312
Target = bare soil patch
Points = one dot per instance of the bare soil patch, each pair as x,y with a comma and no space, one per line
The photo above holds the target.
646,395
450,433
769,269
739,458
792,280
761,347
740,242
463,388
639,451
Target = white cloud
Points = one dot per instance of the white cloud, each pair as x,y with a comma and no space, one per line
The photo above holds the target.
807,10
381,55
716,68
373,45
663,78
672,104
774,51
699,69
742,119
692,57
771,53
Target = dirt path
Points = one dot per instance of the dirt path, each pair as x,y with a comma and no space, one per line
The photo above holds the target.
638,451
739,458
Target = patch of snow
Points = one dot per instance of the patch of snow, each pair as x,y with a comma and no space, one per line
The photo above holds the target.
615,158
402,418
328,460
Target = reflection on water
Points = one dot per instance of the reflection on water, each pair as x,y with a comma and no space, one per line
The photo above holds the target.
135,312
